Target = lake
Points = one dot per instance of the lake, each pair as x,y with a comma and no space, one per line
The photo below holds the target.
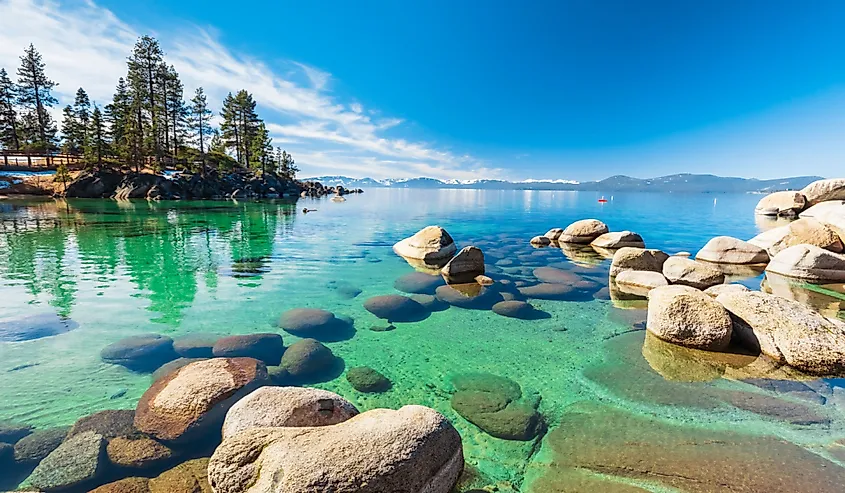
620,411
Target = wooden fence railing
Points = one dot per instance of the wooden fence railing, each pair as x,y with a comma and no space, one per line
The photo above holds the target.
36,160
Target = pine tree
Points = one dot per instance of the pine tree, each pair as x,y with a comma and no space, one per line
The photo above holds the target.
285,164
200,115
82,110
119,116
175,111
70,131
249,122
75,121
230,128
62,175
34,93
97,144
8,115
144,73
262,149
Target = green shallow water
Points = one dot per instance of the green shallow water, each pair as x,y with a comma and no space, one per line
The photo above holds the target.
99,271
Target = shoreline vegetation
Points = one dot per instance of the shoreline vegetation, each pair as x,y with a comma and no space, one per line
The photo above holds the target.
147,142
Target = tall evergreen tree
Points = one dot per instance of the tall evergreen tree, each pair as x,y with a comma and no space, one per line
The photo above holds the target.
144,72
97,144
262,149
8,115
230,127
249,122
119,118
34,94
75,121
200,115
175,110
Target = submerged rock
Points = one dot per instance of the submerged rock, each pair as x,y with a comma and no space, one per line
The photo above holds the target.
619,239
125,485
556,276
305,360
366,379
414,450
786,203
74,464
551,291
110,423
787,331
142,353
194,399
396,308
188,477
32,327
469,296
495,405
809,263
267,347
432,245
287,407
465,266
11,432
195,345
686,316
517,309
583,231
430,302
137,453
629,258
824,190
728,250
686,272
35,447
305,322
418,283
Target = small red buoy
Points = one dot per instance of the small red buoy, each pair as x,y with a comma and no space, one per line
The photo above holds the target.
602,199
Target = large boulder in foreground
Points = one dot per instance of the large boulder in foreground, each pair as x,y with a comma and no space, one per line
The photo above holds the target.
640,282
766,239
787,203
787,331
432,245
583,231
73,465
630,258
619,239
729,250
824,190
809,263
688,317
194,399
279,407
831,213
686,272
809,231
465,266
412,450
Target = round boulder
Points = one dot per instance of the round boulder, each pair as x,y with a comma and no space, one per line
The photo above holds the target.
110,423
35,447
305,322
396,308
266,347
194,399
125,485
143,353
808,231
554,234
365,379
688,317
496,405
824,190
413,449
168,368
686,272
515,309
541,241
187,477
11,432
556,276
137,453
728,250
287,407
714,291
620,239
195,345
72,465
781,204
551,291
465,266
431,245
469,296
809,263
639,282
583,231
306,359
629,258
418,283
430,302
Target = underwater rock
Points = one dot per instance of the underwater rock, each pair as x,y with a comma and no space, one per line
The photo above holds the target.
195,398
826,299
266,347
469,296
195,345
287,407
728,250
465,266
306,359
683,364
431,245
32,327
7,456
809,263
418,283
143,353
495,405
430,302
381,328
690,459
110,423
552,291
786,203
686,316
620,239
304,322
714,291
583,231
125,485
35,447
787,331
629,258
556,276
137,453
639,282
518,309
168,368
396,308
348,291
366,379
808,231
824,190
74,464
414,449
11,432
188,477
686,272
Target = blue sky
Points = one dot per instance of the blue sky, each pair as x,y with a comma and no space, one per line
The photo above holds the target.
575,90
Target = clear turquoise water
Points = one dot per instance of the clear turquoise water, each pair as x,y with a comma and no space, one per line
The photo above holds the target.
115,269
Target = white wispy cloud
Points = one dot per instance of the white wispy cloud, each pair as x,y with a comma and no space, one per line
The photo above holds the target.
86,45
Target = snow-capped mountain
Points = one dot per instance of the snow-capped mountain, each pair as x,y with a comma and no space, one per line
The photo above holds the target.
684,182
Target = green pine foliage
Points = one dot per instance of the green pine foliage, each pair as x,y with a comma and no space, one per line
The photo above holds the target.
34,97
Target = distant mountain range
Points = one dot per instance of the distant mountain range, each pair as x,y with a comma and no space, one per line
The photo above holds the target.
681,183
